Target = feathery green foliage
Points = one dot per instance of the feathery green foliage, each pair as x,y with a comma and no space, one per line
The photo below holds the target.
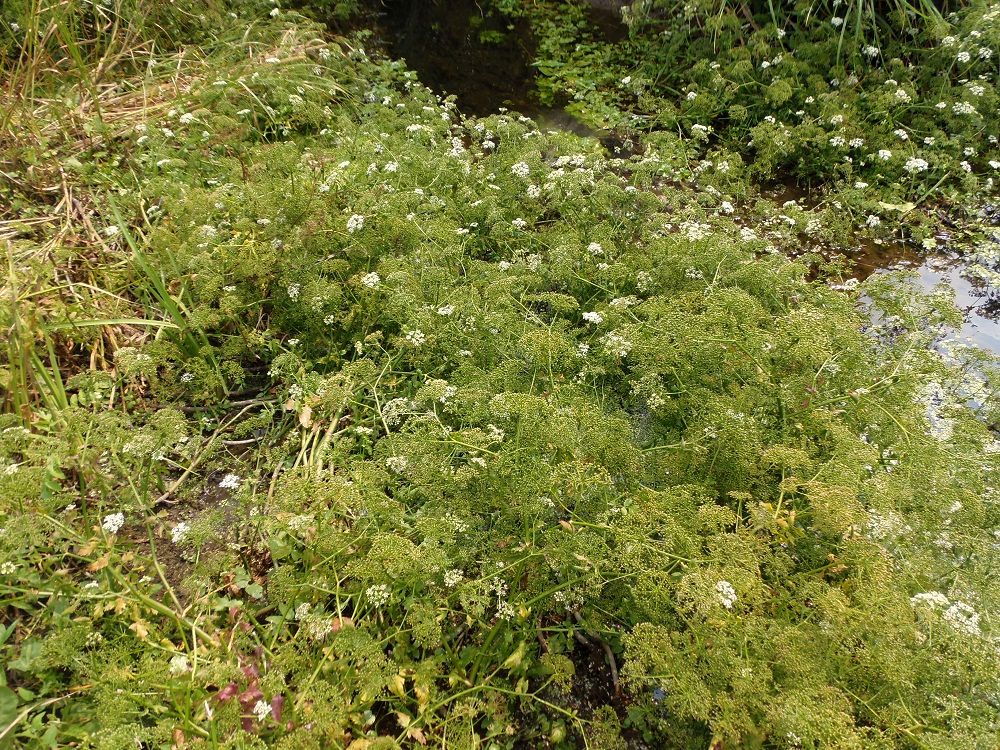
379,426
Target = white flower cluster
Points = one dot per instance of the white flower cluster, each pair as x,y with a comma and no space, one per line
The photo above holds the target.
961,616
397,464
355,223
179,531
521,169
378,595
727,594
617,345
179,664
230,482
113,522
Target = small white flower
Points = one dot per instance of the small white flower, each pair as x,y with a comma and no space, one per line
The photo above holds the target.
519,224
397,464
416,337
371,280
963,617
963,57
453,577
356,222
617,345
112,523
727,594
179,531
293,291
915,164
930,598
262,709
595,248
446,310
378,595
179,664
230,482
884,154
593,317
7,568
521,169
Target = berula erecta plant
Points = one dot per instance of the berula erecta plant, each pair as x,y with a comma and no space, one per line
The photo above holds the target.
390,427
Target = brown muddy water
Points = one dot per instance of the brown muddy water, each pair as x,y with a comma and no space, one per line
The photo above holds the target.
485,62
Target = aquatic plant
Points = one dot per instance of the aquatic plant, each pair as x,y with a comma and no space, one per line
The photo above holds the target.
340,419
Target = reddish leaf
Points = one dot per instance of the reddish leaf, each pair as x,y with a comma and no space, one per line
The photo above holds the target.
277,703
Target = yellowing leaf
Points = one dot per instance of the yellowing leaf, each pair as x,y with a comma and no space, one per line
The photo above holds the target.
88,549
139,628
517,657
397,684
903,208
416,734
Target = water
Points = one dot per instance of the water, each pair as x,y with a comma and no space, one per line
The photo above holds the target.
981,326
